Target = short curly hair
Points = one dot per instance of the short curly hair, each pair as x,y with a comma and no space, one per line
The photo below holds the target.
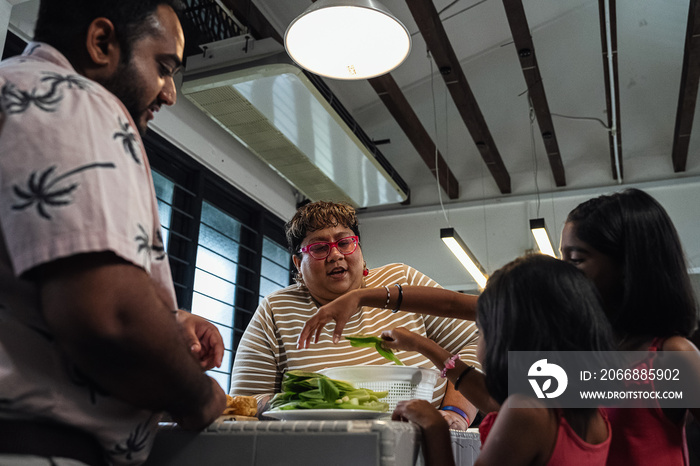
316,216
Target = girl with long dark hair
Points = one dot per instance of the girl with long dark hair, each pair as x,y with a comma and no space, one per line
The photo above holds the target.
627,245
535,303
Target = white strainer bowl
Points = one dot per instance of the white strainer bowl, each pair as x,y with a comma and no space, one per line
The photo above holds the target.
402,382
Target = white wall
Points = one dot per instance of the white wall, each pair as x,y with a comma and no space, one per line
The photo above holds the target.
497,231
22,16
5,9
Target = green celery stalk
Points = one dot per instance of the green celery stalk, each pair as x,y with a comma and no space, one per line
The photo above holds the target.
309,390
311,395
329,392
303,374
371,406
369,341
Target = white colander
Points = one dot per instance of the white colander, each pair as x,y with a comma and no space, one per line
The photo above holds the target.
402,382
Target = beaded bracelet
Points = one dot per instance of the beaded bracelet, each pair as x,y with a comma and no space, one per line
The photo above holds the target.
388,296
398,301
449,364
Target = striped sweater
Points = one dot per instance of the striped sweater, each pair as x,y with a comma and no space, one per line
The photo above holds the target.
268,347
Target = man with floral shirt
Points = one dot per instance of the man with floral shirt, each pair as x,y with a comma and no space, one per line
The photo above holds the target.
91,347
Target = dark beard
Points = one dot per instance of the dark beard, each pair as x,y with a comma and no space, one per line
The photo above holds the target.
125,85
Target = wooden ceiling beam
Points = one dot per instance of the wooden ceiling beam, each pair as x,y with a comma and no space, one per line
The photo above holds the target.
430,25
401,110
614,133
538,99
687,99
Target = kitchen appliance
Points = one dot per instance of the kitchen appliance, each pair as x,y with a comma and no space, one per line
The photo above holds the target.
311,443
273,443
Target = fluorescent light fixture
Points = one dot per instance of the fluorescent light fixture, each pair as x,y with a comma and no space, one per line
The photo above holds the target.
452,240
347,39
539,231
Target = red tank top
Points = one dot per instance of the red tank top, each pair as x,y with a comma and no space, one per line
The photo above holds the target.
570,449
642,436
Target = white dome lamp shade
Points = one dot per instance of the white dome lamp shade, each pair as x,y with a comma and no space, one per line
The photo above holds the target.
347,39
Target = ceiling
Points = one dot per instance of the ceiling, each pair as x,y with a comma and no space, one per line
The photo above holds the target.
654,74
514,122
488,125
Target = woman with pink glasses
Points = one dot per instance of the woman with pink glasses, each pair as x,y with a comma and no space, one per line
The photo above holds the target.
324,240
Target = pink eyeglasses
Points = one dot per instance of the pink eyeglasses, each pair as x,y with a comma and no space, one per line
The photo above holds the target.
322,249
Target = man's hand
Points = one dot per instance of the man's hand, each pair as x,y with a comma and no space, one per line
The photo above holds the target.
112,322
202,338
198,419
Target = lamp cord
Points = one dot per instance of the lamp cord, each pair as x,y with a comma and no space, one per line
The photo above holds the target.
453,14
582,118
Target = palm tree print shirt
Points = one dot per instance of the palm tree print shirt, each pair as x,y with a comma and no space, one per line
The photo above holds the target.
74,178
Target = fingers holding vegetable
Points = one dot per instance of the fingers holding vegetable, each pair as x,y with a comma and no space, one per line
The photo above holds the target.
401,338
369,341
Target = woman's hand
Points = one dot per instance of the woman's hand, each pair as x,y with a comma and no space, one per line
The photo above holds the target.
202,338
340,310
403,339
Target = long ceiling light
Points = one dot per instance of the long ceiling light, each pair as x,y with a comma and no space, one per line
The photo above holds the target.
452,240
347,39
539,231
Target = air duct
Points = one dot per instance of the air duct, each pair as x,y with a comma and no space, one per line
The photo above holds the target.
252,90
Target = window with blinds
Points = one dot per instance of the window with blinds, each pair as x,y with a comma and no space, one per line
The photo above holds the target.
275,267
226,252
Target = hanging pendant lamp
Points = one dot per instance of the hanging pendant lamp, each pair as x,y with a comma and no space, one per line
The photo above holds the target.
459,248
539,231
347,39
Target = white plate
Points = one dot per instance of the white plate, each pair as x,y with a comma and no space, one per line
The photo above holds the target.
324,414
